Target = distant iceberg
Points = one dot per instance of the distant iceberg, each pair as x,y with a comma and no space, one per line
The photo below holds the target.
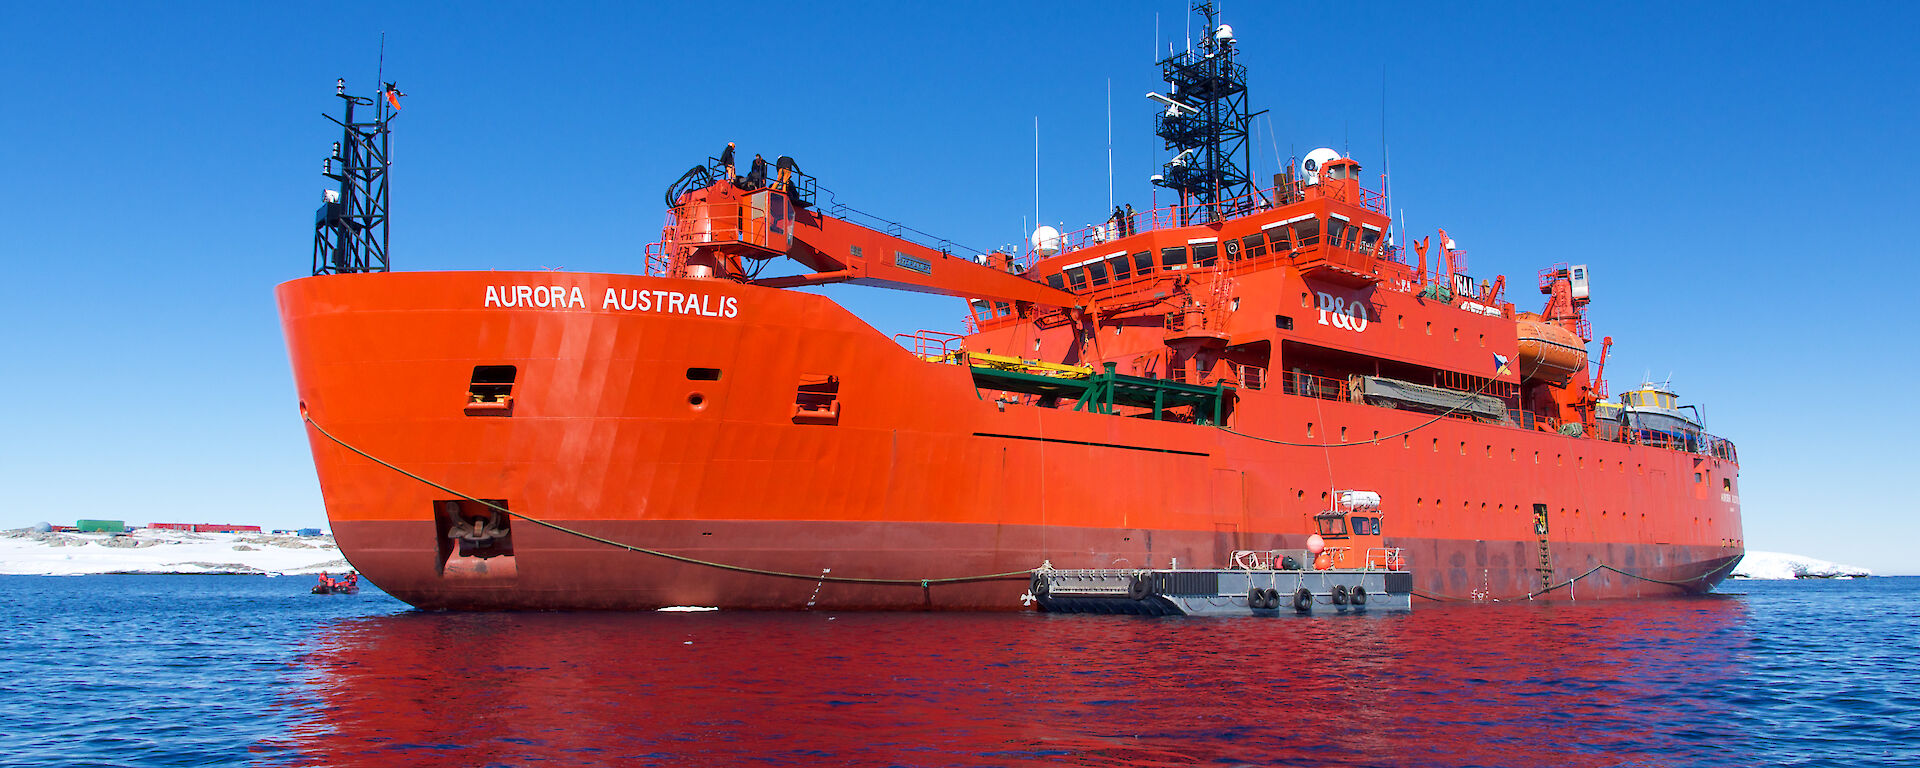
1775,565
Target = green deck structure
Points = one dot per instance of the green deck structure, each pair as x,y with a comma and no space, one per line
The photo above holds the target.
1101,392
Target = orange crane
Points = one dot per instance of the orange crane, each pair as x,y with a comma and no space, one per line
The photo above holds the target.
716,230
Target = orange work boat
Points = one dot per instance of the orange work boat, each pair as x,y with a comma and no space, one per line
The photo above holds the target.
1170,387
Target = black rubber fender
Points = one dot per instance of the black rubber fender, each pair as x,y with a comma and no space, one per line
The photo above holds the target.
1272,597
1257,599
1040,587
1302,600
1140,587
1358,596
1339,594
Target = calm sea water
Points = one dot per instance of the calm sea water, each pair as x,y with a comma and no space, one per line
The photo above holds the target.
188,671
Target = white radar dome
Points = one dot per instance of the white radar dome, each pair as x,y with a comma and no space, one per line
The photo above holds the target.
1046,241
1310,166
1225,32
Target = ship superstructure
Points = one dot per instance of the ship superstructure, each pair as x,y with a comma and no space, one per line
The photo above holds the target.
1191,381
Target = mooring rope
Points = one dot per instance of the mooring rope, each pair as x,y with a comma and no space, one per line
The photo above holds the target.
657,553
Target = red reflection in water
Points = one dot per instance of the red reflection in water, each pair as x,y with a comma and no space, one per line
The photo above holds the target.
1603,683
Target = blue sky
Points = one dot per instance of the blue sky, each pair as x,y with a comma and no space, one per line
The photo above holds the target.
1737,176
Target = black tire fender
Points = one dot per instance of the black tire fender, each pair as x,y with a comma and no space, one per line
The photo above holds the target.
1302,600
1339,594
1257,599
1358,596
1140,587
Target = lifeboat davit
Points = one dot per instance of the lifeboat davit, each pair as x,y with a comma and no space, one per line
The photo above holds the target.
1548,352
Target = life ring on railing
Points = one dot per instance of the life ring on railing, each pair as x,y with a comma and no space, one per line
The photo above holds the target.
1358,596
1339,594
1139,587
1302,600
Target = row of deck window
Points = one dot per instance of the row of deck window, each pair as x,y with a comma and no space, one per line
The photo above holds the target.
1278,237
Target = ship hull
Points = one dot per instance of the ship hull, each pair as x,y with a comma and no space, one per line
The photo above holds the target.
559,571
637,482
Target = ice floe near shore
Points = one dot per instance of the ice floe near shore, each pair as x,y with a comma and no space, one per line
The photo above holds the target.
53,553
1776,565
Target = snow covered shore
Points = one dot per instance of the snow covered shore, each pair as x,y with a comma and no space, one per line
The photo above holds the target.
29,552
1775,565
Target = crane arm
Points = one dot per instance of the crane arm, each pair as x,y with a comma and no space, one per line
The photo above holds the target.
842,251
719,226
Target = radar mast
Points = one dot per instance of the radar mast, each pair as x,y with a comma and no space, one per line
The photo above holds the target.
1205,125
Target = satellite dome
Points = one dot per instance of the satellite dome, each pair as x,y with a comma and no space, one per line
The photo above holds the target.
1225,32
1310,167
1046,241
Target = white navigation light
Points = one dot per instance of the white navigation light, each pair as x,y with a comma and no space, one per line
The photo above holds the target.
1310,167
1046,241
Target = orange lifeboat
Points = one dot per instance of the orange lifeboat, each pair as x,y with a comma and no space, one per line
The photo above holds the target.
1548,352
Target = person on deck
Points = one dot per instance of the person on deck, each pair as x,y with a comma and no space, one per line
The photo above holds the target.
757,174
726,160
1117,223
1126,224
784,177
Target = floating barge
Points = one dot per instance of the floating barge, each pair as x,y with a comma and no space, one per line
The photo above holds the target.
1223,591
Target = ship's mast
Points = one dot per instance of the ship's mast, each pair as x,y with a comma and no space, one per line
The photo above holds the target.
350,228
1205,125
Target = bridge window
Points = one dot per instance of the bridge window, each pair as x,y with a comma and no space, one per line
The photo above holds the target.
1057,281
1098,272
1369,237
1174,258
1077,276
980,310
1203,253
1252,247
1143,262
1332,526
1119,266
1280,238
1002,309
1336,229
1336,172
1306,231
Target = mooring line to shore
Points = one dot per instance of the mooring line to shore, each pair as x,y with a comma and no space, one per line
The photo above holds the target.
815,577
